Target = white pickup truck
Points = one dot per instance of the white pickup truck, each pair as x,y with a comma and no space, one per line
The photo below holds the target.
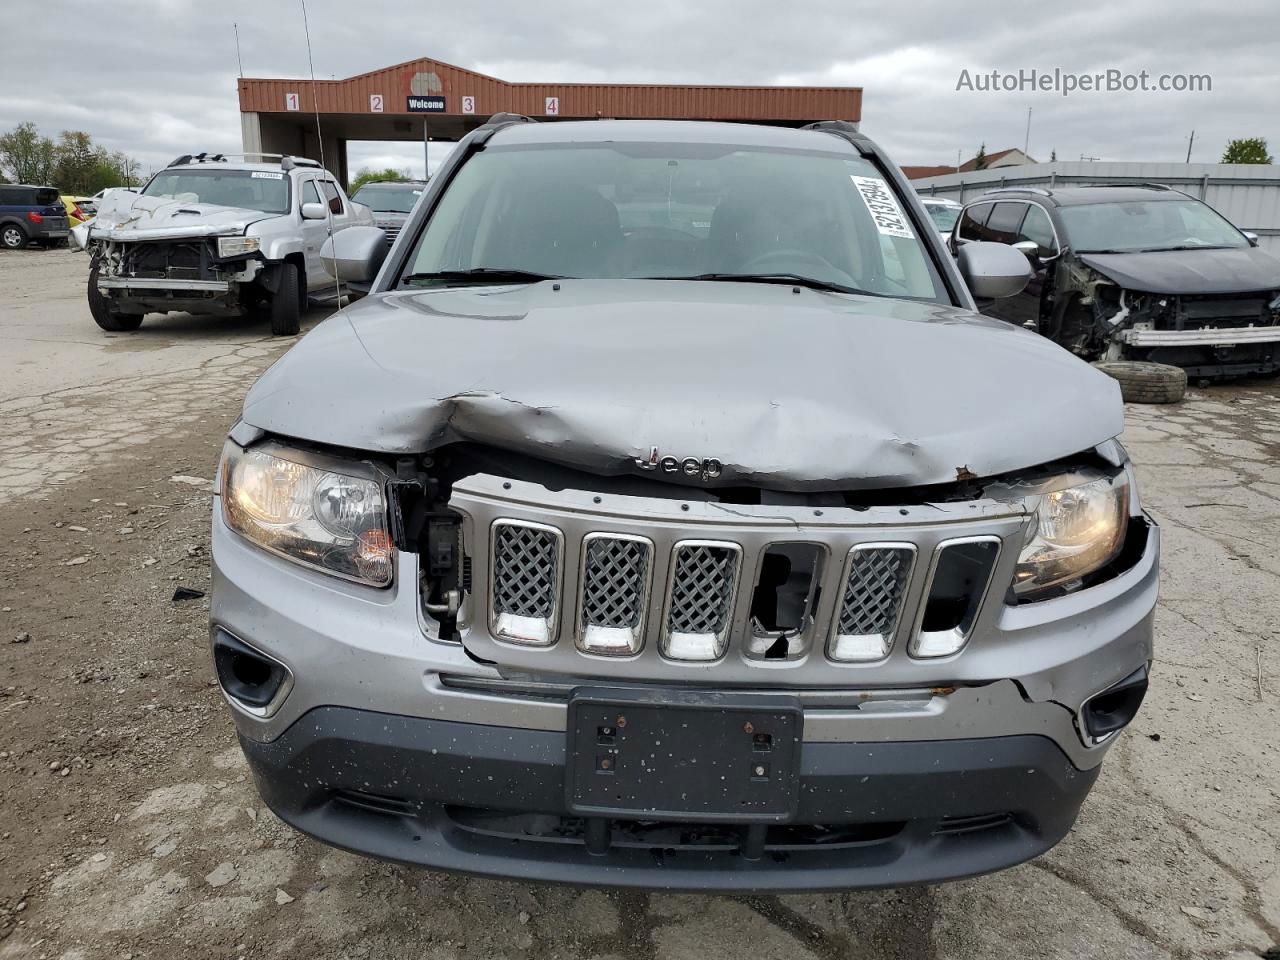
212,233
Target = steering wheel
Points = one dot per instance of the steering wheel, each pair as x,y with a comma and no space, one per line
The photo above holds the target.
785,260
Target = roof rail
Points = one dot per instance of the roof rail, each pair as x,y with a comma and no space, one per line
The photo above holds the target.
286,162
1150,185
1040,190
496,123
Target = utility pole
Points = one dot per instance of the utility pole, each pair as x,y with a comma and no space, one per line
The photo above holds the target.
1026,141
239,62
426,152
1189,143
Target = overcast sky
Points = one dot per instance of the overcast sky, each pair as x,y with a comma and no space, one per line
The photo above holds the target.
156,78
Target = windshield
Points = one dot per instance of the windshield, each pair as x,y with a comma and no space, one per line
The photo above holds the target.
263,190
944,216
1147,225
682,211
388,198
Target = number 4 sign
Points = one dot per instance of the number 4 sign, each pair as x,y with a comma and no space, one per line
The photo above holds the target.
553,106
375,103
291,101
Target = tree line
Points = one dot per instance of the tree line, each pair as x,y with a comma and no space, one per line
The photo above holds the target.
73,162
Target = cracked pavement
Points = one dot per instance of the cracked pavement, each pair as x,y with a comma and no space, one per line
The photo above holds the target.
153,843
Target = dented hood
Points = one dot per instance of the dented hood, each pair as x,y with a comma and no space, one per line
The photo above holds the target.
130,216
1233,270
789,390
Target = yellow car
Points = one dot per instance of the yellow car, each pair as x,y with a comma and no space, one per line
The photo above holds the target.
79,209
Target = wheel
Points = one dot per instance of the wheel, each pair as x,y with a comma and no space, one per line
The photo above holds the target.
13,237
1143,382
106,316
286,304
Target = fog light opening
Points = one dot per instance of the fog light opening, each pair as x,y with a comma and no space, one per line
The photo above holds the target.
1113,709
250,678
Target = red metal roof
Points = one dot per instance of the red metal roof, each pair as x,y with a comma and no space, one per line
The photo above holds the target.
432,78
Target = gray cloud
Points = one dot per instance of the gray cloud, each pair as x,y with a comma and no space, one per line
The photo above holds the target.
158,78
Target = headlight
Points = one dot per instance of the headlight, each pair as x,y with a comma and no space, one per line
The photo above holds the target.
1077,530
237,246
327,519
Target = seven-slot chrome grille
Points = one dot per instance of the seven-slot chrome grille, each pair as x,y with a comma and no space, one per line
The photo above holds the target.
613,584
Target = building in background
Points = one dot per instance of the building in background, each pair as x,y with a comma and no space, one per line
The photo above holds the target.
427,98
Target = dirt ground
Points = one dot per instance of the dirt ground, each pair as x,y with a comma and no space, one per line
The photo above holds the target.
128,828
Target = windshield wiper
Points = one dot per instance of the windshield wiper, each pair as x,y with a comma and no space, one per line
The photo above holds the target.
792,279
479,274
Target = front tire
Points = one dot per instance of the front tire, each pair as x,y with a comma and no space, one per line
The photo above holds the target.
13,237
286,302
104,315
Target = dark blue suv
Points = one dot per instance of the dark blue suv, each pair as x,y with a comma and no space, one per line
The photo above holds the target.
31,213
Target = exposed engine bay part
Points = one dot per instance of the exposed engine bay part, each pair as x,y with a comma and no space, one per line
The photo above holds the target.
1144,382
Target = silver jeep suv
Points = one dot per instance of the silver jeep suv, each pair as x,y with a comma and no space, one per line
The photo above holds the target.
209,234
662,519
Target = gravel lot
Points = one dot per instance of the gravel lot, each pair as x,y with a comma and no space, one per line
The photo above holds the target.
128,827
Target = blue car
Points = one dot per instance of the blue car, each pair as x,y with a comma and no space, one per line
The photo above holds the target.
31,213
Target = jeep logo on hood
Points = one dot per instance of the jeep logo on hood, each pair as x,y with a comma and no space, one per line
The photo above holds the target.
706,469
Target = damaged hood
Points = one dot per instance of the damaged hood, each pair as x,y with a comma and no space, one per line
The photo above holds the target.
130,216
788,390
1234,270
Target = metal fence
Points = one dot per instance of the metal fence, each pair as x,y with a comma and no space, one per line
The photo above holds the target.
1246,194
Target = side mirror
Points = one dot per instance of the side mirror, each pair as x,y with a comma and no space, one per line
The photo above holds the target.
1251,237
314,211
354,254
1028,248
993,270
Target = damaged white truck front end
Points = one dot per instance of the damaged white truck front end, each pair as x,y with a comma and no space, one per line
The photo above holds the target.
207,236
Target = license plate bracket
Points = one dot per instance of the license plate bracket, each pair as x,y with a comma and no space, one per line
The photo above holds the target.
683,755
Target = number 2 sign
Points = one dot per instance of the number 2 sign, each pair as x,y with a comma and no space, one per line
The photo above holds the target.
375,103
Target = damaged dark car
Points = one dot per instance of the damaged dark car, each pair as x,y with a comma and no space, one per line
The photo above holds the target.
660,520
1136,273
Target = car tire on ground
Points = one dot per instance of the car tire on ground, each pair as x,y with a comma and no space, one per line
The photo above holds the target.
104,315
286,304
13,237
1144,382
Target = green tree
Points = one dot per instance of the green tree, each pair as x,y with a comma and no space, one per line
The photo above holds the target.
1053,156
77,160
26,156
365,175
980,161
1251,150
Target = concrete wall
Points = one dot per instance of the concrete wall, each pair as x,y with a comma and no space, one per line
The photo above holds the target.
1246,194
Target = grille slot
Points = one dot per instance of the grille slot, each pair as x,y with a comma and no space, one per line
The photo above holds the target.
525,583
875,585
700,595
615,593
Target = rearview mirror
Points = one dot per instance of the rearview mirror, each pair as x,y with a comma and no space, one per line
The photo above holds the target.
313,211
993,270
354,254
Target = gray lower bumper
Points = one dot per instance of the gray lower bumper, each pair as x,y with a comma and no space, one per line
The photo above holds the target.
141,285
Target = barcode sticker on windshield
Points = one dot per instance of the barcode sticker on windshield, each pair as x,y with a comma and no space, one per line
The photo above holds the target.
883,207
263,175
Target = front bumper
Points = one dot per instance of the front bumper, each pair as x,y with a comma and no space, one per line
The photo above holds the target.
490,800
